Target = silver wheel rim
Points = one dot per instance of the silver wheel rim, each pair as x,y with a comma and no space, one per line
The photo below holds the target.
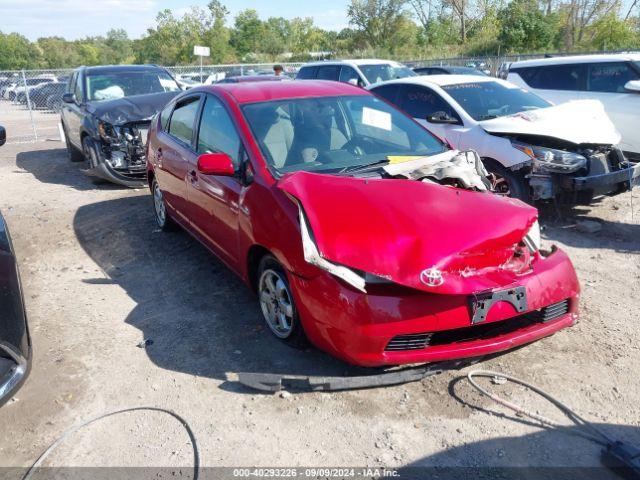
158,202
276,303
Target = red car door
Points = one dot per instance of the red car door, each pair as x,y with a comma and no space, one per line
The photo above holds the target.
214,200
173,154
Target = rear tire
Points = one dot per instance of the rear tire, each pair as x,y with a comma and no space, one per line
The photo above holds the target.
75,155
164,221
508,183
278,305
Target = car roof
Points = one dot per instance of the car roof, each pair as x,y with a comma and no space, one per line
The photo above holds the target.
356,62
442,80
104,69
252,92
615,57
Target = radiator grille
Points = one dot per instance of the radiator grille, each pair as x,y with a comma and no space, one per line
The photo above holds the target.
420,341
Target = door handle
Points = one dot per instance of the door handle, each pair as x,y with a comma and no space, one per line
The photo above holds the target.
193,176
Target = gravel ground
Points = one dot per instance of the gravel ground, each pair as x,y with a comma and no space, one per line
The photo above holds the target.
99,278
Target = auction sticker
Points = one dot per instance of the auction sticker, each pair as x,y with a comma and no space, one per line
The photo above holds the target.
376,118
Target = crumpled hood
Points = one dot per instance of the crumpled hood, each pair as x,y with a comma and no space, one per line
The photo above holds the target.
130,109
579,121
395,229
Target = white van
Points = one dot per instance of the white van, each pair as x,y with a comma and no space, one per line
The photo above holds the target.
614,80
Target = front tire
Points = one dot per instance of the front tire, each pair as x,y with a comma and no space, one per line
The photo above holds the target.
164,221
277,303
508,183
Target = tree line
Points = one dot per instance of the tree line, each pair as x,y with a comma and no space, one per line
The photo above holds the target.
404,29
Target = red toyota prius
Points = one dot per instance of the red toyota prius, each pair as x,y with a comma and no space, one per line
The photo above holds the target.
358,229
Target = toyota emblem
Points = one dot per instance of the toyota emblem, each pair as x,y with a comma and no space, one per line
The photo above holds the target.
431,277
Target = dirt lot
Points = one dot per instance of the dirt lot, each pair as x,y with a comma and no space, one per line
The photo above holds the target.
99,278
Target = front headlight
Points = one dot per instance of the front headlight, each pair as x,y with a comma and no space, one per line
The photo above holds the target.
533,238
107,132
552,160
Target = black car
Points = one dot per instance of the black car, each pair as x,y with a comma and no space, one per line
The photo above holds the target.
48,96
15,343
448,70
106,114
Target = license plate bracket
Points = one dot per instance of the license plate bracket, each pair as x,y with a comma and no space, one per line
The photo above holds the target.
481,303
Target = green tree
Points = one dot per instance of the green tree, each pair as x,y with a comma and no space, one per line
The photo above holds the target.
17,52
378,20
525,27
246,35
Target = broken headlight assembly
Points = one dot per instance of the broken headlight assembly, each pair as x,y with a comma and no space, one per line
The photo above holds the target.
108,132
533,238
551,160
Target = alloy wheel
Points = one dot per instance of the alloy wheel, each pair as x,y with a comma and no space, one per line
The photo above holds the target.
158,204
276,303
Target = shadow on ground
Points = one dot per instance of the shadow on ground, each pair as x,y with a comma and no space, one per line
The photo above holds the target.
619,236
203,320
53,166
548,453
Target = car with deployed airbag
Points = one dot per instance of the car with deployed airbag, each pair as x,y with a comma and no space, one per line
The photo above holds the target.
358,229
105,116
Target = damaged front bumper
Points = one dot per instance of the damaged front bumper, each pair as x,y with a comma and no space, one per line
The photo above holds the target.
120,155
400,326
604,182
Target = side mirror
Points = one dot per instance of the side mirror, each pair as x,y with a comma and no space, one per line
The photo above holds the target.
353,81
3,136
632,86
69,98
216,164
442,118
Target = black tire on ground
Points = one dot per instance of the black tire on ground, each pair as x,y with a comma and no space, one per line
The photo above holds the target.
75,155
164,221
507,182
295,336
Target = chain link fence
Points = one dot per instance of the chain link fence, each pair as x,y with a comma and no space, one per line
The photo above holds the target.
30,100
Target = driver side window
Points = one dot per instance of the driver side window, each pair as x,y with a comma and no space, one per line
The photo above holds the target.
217,132
421,102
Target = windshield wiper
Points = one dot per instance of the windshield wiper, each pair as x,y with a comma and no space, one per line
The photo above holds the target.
487,117
363,167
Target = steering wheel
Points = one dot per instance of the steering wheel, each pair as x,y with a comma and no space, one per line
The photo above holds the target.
357,146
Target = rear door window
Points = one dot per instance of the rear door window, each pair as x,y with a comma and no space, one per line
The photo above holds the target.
307,73
609,77
183,120
554,77
330,72
421,102
348,74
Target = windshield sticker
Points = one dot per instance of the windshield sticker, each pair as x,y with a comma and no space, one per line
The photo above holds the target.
376,118
393,159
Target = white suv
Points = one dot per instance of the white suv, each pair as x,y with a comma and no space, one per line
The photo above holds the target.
532,149
356,72
614,80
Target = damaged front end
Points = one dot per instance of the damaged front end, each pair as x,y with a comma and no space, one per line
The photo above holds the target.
574,173
121,153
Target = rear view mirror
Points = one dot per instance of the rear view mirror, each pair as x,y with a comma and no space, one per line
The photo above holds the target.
69,98
3,136
442,117
632,86
216,164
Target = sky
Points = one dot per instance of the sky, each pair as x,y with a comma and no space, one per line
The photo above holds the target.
74,19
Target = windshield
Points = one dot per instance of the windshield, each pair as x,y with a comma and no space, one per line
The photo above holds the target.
331,134
111,86
487,100
384,72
